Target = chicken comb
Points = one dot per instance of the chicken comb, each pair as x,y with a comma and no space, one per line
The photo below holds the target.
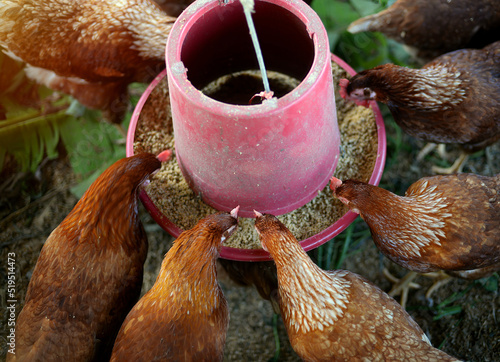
164,155
335,183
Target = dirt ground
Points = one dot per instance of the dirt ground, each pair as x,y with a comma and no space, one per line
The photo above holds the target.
28,216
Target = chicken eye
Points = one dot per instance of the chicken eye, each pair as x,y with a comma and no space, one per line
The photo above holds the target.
367,91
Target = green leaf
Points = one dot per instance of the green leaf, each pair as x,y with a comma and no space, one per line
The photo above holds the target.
366,7
29,123
80,189
489,283
364,50
29,135
335,15
398,54
91,144
454,309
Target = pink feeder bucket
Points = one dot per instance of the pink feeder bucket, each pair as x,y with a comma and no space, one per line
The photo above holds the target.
208,39
272,157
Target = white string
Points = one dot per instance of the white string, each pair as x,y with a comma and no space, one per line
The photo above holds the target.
248,8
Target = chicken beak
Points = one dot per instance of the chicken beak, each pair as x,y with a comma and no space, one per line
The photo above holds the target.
258,215
365,103
164,155
335,183
232,229
234,212
356,211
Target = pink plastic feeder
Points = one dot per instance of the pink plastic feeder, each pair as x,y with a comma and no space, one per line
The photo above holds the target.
272,157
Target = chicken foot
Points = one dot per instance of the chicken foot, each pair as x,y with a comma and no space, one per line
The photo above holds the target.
401,286
429,147
441,150
457,166
441,279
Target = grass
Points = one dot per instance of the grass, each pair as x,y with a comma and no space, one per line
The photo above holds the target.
334,253
455,302
277,343
447,306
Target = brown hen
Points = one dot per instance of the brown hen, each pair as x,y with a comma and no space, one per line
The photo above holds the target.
449,223
432,28
89,272
184,316
453,99
90,49
338,315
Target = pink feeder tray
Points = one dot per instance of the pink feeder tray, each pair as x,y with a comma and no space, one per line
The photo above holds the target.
273,157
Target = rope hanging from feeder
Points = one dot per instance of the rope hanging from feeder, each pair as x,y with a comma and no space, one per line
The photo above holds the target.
248,8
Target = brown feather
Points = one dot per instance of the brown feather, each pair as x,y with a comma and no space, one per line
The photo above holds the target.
90,49
338,315
435,27
449,223
89,272
453,99
185,315
94,40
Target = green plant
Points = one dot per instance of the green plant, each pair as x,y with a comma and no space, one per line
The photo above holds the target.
447,306
490,283
30,120
364,50
453,304
95,144
30,134
332,254
92,147
37,119
276,339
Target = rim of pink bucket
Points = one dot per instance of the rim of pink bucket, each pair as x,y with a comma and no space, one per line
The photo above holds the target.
260,254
